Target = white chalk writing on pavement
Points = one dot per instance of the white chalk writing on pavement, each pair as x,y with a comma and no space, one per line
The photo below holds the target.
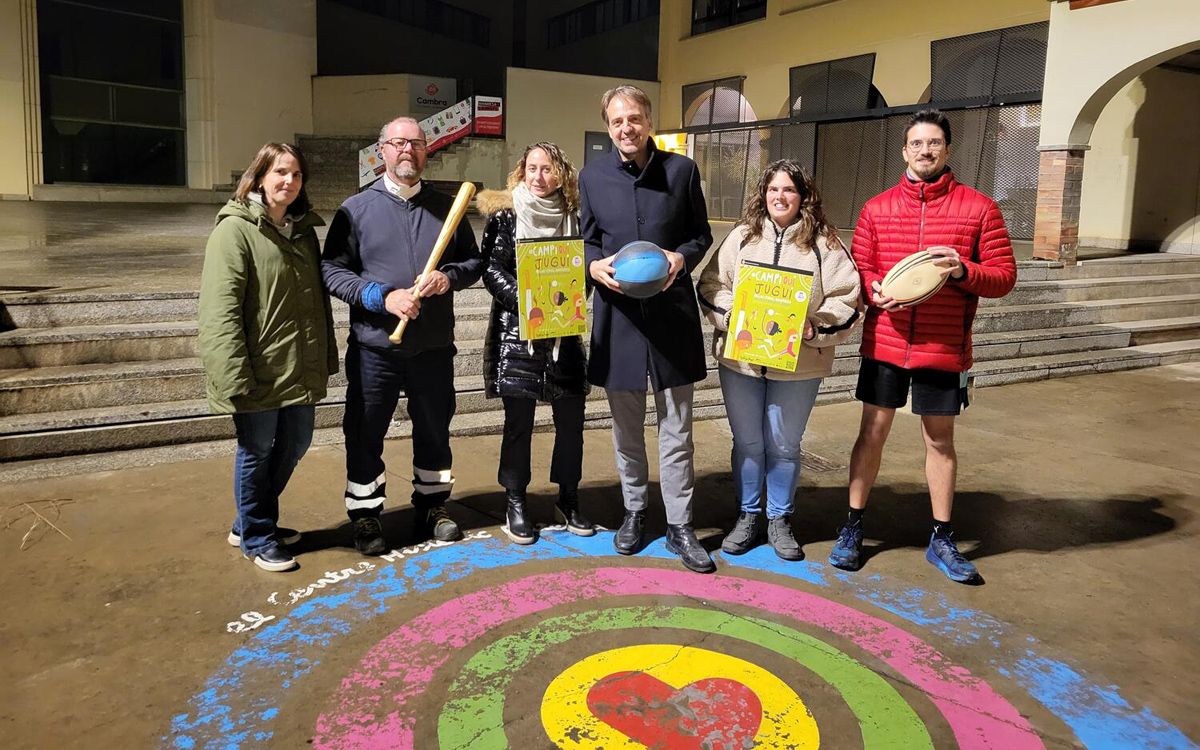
254,619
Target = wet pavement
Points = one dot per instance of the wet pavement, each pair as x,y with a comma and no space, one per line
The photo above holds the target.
46,246
131,623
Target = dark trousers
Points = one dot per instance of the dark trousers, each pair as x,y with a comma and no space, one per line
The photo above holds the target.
269,445
566,464
374,382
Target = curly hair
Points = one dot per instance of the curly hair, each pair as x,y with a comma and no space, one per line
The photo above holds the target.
811,215
560,167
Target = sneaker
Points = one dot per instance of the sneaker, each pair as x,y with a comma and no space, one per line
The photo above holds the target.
283,535
944,555
273,558
440,525
779,535
745,534
368,536
847,550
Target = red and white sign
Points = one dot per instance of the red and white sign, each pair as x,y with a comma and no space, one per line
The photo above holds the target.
447,126
489,115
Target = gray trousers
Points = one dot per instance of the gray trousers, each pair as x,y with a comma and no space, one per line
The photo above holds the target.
676,475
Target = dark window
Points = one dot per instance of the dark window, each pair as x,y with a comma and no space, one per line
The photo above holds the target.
710,15
713,102
992,67
834,86
112,91
596,18
431,15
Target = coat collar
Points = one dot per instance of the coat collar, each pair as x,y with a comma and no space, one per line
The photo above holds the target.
918,190
630,168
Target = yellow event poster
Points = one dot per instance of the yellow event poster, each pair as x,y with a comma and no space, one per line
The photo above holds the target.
766,326
551,293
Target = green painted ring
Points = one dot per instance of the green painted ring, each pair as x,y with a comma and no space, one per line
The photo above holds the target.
474,716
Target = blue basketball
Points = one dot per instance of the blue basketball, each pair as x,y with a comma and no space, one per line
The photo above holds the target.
641,269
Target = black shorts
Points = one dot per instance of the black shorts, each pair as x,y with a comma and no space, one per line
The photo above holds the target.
935,393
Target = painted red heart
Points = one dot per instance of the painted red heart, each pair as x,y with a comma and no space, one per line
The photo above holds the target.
709,713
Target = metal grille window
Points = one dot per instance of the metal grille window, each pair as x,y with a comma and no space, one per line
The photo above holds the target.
995,151
834,86
596,18
431,15
992,67
710,15
715,102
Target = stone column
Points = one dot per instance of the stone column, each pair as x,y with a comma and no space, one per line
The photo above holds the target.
1060,182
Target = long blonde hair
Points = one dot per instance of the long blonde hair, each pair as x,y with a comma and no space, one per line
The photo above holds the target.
560,167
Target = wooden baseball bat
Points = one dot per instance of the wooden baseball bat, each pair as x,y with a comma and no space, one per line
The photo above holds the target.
466,192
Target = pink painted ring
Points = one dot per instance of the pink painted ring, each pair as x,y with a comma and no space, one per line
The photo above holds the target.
370,709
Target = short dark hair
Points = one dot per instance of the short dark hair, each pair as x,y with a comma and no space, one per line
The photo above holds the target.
932,117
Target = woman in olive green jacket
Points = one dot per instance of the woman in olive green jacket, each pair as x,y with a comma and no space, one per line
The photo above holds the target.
266,340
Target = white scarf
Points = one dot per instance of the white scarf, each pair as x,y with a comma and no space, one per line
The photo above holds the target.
542,217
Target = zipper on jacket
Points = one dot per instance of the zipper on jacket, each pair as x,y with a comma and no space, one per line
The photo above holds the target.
912,318
778,243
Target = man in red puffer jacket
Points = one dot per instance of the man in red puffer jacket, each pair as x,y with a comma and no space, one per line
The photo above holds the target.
926,345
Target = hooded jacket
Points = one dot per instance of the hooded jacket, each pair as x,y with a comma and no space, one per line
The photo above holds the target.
510,368
833,305
377,243
266,328
911,217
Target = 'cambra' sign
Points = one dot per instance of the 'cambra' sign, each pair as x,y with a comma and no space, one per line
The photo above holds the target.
431,94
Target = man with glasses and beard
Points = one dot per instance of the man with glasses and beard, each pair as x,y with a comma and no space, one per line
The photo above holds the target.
927,346
377,246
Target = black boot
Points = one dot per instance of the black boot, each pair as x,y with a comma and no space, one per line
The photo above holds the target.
568,510
628,538
682,541
518,528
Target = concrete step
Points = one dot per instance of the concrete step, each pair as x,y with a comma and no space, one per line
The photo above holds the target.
45,435
1144,264
94,430
53,347
131,382
1083,290
1079,363
56,310
1060,314
175,437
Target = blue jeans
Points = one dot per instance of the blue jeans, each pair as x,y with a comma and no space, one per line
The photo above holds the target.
768,418
269,445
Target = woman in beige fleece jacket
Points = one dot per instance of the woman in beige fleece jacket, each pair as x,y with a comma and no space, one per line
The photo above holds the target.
783,224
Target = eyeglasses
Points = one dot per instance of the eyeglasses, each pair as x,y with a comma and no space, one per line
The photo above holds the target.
934,144
418,144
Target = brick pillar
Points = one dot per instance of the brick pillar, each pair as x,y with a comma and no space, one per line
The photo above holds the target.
1060,181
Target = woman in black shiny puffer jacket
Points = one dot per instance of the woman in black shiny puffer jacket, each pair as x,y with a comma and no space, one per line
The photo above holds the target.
541,201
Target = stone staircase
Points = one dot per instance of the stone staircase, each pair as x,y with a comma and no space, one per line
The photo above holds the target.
96,381
333,162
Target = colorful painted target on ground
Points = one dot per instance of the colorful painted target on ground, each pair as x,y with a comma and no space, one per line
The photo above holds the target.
647,655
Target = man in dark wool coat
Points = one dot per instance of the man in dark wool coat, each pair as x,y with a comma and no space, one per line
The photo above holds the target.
642,193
